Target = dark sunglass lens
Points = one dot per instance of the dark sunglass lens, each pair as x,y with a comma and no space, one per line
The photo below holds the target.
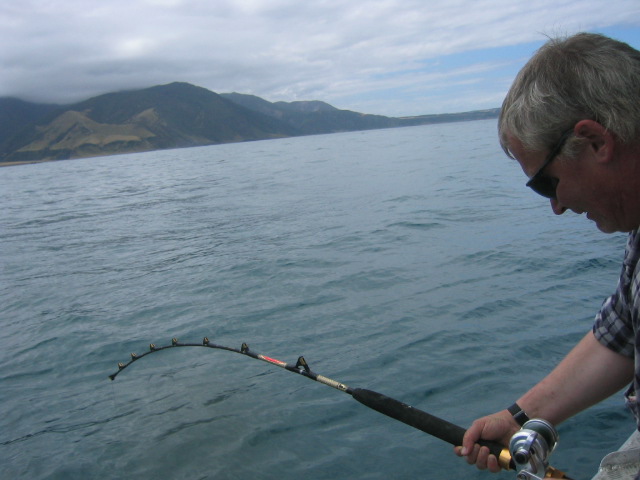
545,186
541,184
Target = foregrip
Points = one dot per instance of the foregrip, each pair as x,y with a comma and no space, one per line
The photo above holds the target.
416,418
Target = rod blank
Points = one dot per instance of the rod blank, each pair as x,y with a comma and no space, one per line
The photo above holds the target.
388,406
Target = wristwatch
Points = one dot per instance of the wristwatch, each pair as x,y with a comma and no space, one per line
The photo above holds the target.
518,414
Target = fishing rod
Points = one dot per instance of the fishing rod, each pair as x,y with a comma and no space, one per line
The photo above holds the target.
530,447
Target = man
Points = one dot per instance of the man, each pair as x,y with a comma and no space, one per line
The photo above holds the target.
572,121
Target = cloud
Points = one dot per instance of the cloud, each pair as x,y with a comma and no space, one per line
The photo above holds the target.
378,56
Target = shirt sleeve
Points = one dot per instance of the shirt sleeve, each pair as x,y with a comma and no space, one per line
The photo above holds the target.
613,325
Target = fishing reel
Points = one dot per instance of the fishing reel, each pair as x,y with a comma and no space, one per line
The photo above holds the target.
530,448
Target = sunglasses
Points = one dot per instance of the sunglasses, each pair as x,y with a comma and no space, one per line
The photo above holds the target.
541,183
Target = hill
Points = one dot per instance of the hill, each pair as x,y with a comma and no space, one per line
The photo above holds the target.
173,116
15,114
313,117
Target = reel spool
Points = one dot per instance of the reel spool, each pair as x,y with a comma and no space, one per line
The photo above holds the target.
531,447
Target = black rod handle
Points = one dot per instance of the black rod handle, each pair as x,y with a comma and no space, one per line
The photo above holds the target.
424,421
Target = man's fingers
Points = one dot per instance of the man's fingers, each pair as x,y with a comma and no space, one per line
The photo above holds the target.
493,464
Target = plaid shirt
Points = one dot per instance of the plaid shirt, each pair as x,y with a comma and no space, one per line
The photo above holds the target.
617,324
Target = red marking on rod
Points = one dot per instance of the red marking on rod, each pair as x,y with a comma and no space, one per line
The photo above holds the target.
273,360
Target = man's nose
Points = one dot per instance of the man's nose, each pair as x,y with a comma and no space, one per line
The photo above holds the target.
557,207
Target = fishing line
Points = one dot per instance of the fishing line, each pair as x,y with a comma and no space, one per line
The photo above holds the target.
391,407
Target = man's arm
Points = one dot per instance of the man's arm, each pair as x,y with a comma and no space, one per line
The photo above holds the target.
588,374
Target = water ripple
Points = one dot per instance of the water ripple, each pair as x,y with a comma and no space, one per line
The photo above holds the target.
401,260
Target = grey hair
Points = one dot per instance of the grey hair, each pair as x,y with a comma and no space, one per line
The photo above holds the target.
584,76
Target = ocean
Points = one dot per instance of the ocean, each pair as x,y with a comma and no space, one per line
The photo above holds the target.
409,261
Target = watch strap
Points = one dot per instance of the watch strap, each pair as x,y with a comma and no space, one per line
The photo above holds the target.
518,414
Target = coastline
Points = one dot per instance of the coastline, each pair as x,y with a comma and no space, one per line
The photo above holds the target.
24,162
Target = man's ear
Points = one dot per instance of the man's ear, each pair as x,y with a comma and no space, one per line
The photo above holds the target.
600,141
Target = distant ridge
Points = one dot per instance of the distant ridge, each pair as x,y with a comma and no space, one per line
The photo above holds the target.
174,116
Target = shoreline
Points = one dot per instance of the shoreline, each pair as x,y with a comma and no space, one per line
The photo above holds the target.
24,162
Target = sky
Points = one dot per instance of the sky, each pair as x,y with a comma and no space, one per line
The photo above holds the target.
387,57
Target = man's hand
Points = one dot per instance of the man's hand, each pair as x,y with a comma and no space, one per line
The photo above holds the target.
498,427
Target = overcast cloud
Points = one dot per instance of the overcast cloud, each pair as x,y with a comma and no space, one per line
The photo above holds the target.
391,57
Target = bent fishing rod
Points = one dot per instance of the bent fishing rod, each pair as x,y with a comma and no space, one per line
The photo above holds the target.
529,451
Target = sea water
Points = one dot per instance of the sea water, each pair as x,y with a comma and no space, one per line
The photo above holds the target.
409,261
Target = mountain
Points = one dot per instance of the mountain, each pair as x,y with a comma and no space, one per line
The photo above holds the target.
172,116
167,116
15,114
313,117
